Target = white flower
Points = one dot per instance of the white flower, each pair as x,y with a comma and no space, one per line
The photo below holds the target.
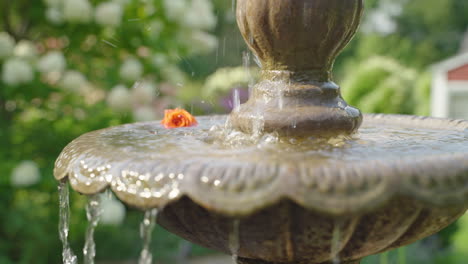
200,15
54,15
52,62
25,174
144,113
202,42
53,3
173,74
109,14
7,45
78,11
73,81
17,71
119,98
131,70
175,9
159,60
26,49
113,211
143,93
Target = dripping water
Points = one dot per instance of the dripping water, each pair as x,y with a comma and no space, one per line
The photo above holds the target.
234,240
236,100
280,99
93,213
246,64
336,242
234,6
68,256
257,60
146,229
258,124
246,60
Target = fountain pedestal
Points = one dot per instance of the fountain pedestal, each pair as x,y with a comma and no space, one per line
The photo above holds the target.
297,43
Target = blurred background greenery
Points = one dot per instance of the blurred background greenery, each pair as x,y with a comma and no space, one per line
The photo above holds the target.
71,66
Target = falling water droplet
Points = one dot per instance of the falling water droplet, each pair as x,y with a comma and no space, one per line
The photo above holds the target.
146,230
224,47
336,242
258,124
257,60
108,194
234,240
68,256
236,100
246,64
93,213
280,99
246,60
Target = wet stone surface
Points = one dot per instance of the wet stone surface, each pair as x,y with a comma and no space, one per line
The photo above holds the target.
148,166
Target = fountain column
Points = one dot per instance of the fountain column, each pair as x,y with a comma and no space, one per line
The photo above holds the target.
297,43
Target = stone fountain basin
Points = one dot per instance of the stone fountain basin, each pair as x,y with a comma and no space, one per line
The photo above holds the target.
286,232
299,201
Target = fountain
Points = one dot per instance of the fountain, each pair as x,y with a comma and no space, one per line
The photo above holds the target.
287,178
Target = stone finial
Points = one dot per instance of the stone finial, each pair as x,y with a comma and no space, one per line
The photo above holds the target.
297,42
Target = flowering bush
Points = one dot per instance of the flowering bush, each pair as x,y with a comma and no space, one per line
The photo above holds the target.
7,45
17,71
25,174
71,66
381,85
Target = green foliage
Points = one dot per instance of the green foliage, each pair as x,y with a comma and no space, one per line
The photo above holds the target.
427,31
423,94
47,100
380,85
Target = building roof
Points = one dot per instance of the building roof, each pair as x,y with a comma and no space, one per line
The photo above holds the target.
452,63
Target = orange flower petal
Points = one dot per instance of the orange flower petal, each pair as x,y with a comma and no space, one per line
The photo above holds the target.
174,118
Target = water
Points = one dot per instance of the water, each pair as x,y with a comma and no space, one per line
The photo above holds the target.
146,230
234,240
234,6
68,256
179,152
93,213
236,100
280,99
257,61
246,58
375,141
336,242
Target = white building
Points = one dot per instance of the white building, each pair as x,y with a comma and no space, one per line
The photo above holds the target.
450,88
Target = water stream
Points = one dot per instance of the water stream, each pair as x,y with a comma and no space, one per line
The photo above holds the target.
336,242
236,100
93,213
146,230
246,64
68,256
234,240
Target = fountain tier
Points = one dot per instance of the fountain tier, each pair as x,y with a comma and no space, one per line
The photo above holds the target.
399,179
